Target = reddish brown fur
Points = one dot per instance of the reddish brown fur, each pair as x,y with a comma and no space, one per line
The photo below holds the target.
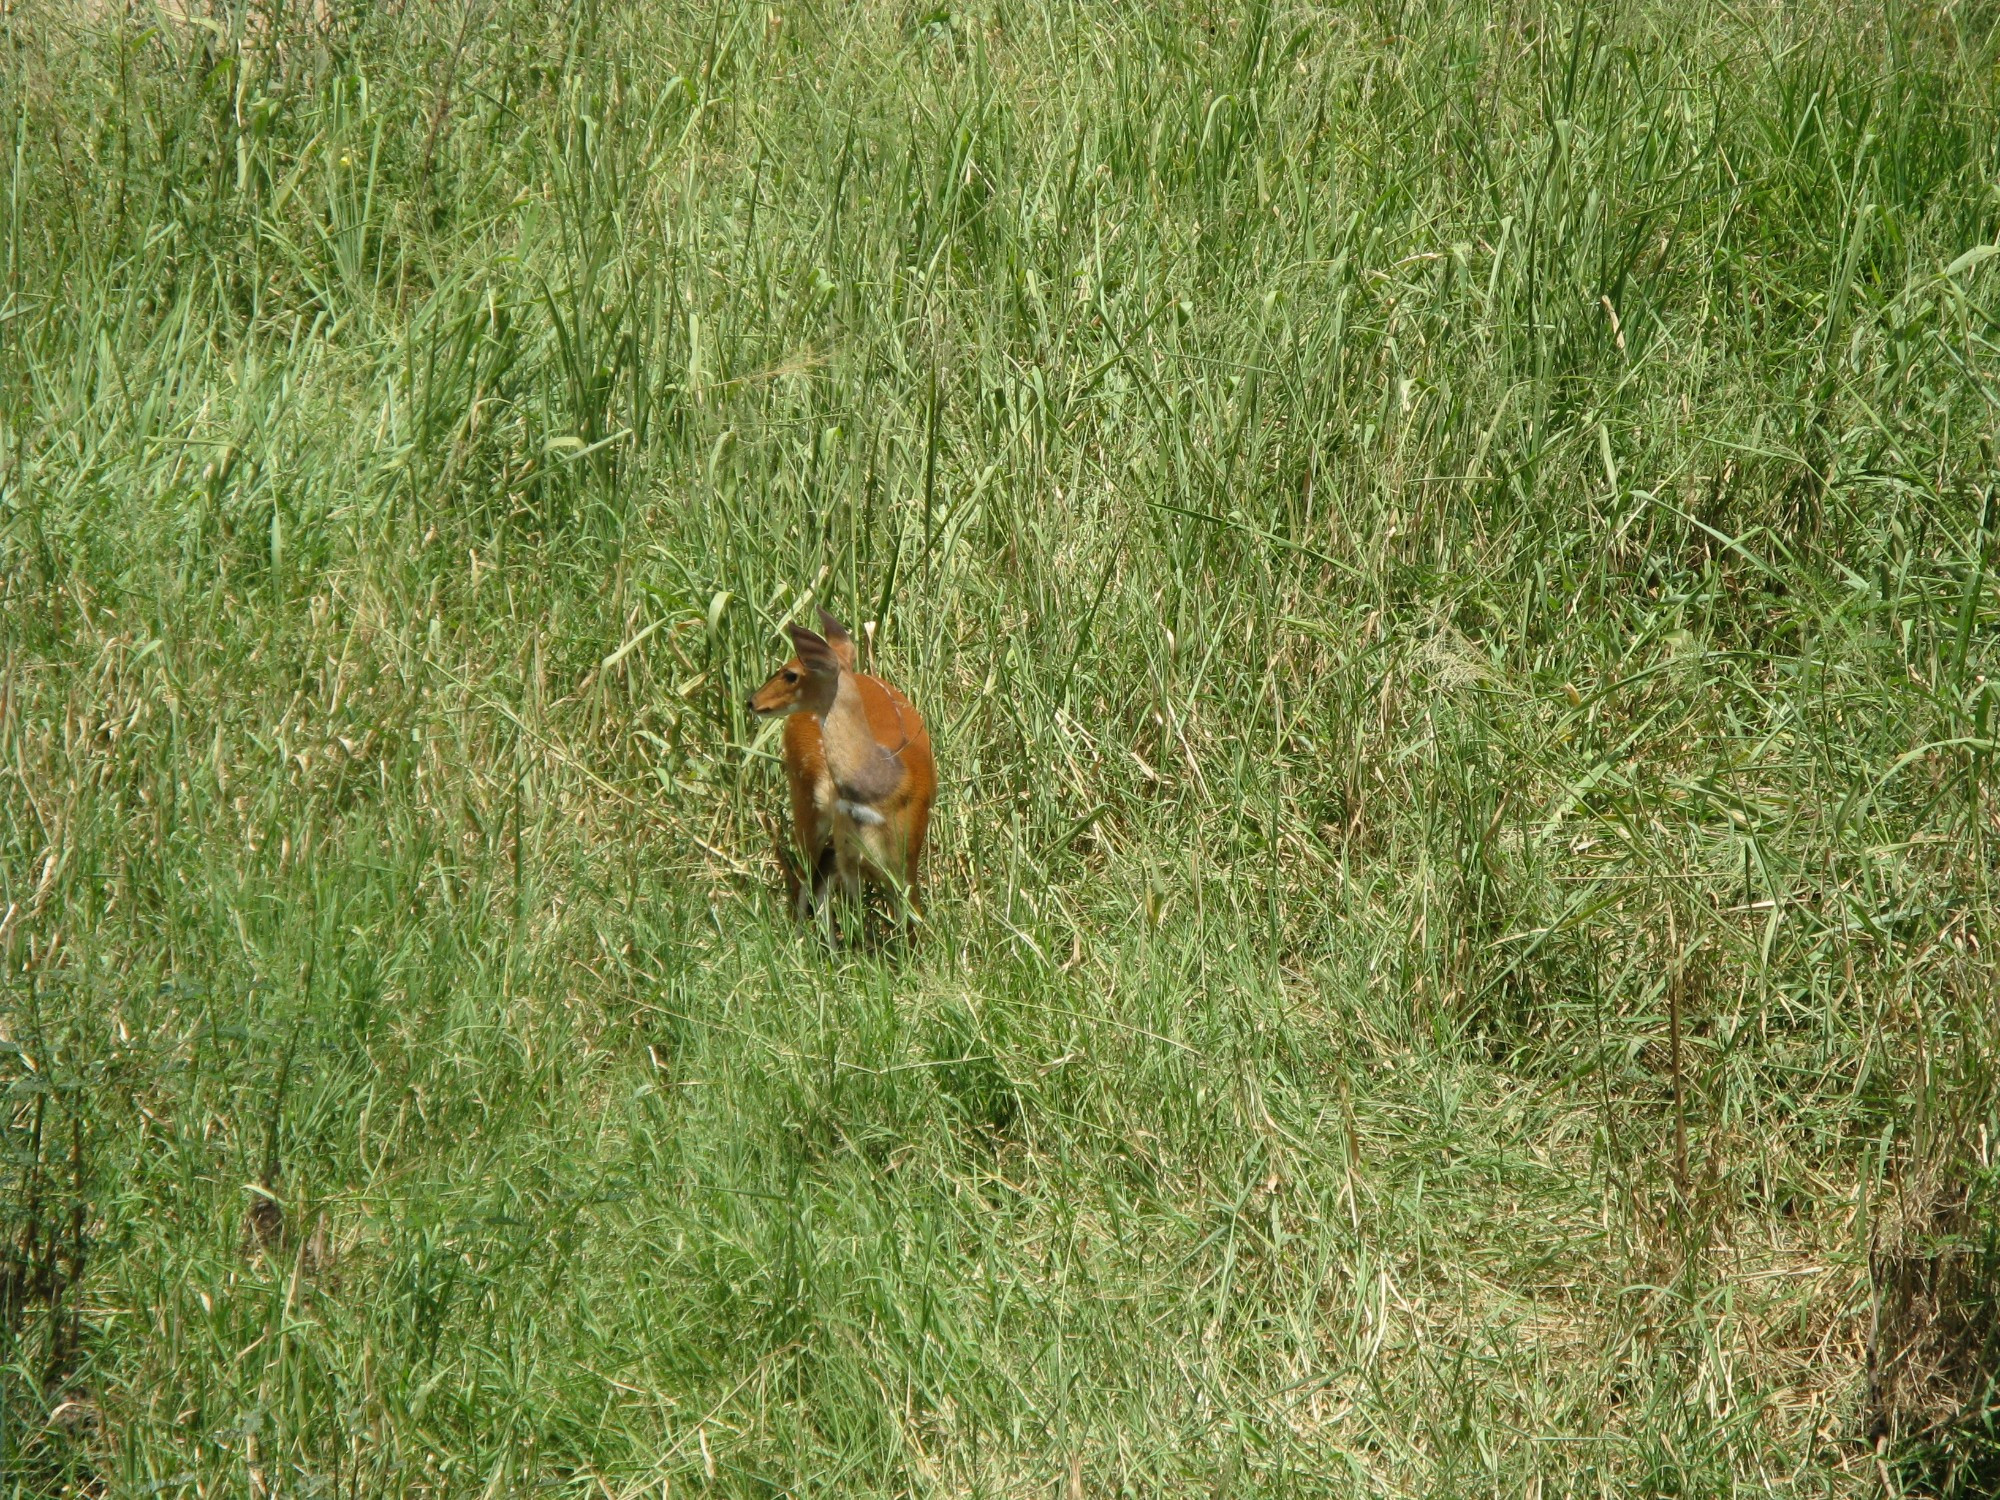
896,726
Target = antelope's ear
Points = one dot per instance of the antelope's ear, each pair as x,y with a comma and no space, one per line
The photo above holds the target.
814,652
838,638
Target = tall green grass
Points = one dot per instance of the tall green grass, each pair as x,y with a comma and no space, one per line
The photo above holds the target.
1448,553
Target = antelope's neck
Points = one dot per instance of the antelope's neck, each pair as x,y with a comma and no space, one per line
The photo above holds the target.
862,770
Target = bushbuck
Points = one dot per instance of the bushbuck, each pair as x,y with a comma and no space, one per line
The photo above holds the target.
858,759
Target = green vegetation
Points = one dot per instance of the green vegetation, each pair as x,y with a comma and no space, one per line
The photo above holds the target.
1449,554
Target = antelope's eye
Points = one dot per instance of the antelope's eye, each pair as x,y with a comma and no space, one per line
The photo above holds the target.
791,677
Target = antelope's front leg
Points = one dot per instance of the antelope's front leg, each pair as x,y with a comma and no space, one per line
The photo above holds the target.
812,891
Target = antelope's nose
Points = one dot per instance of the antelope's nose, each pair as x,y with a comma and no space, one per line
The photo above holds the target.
751,703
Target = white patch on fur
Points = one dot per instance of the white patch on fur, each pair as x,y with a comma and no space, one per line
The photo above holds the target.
861,813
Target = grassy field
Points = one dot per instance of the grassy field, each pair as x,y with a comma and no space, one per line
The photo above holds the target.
1448,551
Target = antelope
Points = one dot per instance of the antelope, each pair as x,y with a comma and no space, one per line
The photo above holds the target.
858,760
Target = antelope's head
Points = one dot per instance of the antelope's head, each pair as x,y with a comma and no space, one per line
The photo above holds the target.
807,683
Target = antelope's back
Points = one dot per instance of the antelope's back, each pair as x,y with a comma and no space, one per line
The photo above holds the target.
899,729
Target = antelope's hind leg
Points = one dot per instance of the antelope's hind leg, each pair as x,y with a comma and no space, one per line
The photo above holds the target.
895,874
